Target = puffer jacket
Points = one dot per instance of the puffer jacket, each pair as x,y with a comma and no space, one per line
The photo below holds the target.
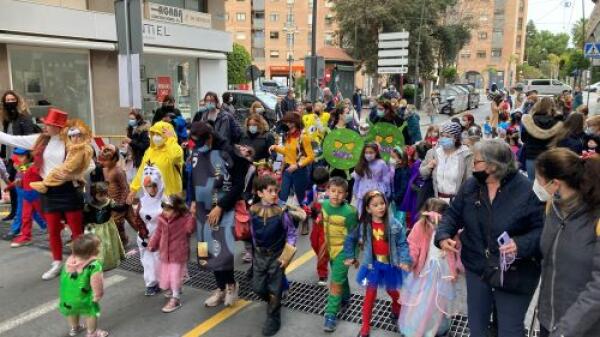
569,302
172,238
537,132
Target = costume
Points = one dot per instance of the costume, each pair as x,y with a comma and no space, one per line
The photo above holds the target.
385,247
378,181
79,155
317,235
167,158
98,220
297,150
80,287
274,237
338,222
316,125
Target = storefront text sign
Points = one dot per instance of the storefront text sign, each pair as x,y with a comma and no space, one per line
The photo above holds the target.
163,87
172,14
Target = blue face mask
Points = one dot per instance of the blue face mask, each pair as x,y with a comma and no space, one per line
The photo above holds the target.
210,106
380,112
446,143
253,129
132,122
204,148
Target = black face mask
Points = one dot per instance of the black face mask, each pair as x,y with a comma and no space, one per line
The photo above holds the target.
284,128
481,176
168,107
11,108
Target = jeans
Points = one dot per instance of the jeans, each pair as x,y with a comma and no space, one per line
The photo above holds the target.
298,180
511,308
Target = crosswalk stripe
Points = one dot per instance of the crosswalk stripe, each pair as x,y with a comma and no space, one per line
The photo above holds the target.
45,308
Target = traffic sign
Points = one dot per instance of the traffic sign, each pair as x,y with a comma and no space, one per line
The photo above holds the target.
392,53
393,36
392,70
592,50
398,61
393,44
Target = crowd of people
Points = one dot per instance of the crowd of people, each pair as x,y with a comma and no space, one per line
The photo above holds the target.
499,206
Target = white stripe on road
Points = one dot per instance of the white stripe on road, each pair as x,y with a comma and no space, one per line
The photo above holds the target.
45,308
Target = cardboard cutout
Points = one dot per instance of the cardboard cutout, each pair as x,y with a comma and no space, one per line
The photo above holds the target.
388,136
342,148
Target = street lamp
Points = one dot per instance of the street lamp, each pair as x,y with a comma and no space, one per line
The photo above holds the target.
290,59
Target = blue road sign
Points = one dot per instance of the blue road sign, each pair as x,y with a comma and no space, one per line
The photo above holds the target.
592,50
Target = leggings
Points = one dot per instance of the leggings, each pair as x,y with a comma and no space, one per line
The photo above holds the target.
74,221
223,278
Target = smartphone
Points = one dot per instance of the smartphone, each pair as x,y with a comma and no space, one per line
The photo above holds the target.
503,239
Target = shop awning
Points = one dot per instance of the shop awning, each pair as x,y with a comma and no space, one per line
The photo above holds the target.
286,69
184,52
44,41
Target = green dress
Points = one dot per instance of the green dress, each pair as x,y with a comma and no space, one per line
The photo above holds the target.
76,295
99,221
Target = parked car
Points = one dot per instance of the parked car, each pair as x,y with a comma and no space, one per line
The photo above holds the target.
453,100
274,87
592,87
473,102
546,86
242,101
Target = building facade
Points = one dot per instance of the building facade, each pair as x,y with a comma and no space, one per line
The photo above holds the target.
63,53
497,43
277,33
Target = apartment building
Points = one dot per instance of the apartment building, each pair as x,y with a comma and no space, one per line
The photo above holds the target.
64,53
497,43
278,32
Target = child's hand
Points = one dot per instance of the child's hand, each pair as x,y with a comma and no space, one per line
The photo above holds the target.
193,207
283,264
432,164
404,266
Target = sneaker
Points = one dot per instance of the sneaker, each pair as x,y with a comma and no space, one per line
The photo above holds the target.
215,299
9,236
330,323
172,305
322,282
151,291
247,258
53,272
231,294
97,333
76,330
16,243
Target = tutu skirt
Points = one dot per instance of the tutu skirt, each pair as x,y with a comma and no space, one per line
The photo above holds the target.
380,275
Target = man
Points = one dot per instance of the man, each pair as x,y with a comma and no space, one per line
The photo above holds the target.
532,98
357,100
288,104
168,106
328,100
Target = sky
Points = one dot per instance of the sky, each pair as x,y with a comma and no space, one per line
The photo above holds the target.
557,15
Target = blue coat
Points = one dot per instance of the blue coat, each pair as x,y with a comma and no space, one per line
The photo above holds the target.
396,238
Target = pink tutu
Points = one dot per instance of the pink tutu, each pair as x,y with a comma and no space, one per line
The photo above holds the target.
172,274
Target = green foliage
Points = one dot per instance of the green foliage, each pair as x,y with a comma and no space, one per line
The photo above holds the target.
574,60
451,39
540,44
577,33
528,71
237,61
449,74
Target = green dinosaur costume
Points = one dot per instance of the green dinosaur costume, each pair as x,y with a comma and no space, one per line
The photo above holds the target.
76,295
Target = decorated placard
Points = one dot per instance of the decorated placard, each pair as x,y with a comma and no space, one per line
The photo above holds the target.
388,136
342,148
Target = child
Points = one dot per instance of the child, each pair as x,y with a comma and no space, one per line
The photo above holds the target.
29,205
81,286
386,255
432,135
79,154
171,239
411,202
513,140
488,130
339,220
400,175
315,198
371,173
428,292
97,217
147,213
274,237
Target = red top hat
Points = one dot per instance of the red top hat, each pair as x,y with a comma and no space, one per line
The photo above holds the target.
56,117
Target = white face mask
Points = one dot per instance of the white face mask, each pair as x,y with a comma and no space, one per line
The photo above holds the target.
540,191
158,140
369,157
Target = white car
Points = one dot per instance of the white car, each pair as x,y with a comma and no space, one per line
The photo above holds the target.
592,87
546,86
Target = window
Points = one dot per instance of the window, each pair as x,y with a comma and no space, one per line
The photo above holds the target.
520,23
240,16
274,35
274,17
481,54
309,38
328,3
499,11
329,38
193,5
226,17
290,17
465,55
240,35
328,19
482,35
259,15
496,52
258,53
290,2
274,54
519,40
290,40
309,19
540,82
497,35
483,18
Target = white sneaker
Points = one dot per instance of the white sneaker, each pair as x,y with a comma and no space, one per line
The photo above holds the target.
231,294
53,272
215,299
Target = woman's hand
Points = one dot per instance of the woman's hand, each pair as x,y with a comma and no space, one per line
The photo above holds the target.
292,168
510,248
214,216
130,198
449,245
272,148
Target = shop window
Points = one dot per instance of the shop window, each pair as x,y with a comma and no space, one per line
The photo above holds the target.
54,76
274,35
240,16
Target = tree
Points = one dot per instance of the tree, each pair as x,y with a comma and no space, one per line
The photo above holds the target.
577,33
449,74
528,71
237,61
540,44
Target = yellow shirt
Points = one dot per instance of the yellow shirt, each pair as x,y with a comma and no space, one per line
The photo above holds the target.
290,151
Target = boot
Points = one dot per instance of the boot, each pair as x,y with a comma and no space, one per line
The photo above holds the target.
273,322
215,299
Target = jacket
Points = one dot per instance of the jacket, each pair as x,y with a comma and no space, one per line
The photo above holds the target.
465,166
161,112
260,143
140,141
171,238
293,153
288,105
225,125
569,301
515,209
574,143
419,241
21,126
396,239
537,132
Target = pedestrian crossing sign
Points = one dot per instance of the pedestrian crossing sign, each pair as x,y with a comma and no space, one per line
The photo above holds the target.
592,50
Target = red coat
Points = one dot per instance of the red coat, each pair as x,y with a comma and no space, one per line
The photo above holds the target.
172,238
419,240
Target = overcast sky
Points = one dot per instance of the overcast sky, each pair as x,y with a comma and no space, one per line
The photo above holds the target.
557,15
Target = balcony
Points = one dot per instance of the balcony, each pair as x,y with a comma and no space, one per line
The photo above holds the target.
258,24
258,5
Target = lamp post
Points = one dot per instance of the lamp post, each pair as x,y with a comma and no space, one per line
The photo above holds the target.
290,59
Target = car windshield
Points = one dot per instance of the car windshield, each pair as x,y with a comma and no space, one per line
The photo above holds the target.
268,99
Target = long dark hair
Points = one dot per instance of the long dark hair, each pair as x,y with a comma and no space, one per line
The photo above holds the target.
573,126
362,169
215,97
366,219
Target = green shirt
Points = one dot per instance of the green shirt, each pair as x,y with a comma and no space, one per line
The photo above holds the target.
337,223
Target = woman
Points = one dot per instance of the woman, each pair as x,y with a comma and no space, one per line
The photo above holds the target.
137,137
448,164
258,137
385,112
222,121
539,128
569,301
297,154
571,135
228,103
167,107
217,178
355,114
269,116
467,120
495,110
341,118
497,202
60,202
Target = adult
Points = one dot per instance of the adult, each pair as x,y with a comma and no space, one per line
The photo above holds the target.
168,106
328,100
342,118
137,137
297,154
565,103
466,121
257,136
571,135
429,105
288,104
538,129
259,109
495,201
16,120
228,103
386,113
59,202
357,100
217,182
495,110
413,120
448,164
347,103
577,98
569,301
221,120
532,98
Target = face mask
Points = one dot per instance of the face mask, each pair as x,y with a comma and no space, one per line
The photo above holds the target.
589,131
132,122
210,106
463,123
348,118
481,176
230,99
446,143
10,106
204,148
540,191
253,129
380,112
260,110
369,157
158,140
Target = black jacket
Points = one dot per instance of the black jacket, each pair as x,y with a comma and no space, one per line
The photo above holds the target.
260,143
575,143
516,210
161,112
288,105
537,132
140,141
21,126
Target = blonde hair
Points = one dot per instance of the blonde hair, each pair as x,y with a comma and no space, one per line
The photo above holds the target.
254,106
22,106
318,107
593,121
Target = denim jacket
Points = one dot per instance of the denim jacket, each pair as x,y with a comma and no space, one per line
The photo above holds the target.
396,238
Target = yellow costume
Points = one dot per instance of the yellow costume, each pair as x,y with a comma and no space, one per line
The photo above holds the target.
167,158
79,155
316,126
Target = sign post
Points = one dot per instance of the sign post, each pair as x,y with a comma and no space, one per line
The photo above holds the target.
128,17
393,53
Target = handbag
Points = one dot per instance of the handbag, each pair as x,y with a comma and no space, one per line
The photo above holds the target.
241,226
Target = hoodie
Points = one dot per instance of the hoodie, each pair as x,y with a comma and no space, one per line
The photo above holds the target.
167,158
150,207
537,132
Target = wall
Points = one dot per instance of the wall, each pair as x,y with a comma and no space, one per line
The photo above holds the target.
211,76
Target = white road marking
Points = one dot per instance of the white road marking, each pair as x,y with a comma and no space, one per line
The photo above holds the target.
45,308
